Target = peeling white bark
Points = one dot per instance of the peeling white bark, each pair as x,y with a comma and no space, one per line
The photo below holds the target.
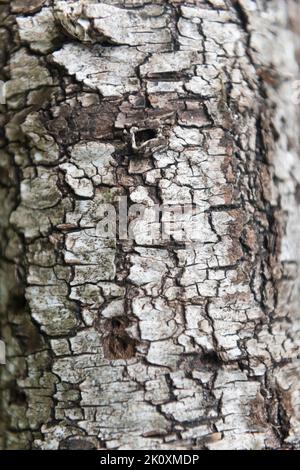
130,344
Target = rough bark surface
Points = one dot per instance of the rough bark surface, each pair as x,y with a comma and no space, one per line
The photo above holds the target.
129,344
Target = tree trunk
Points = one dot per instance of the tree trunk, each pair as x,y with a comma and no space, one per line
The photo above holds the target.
140,342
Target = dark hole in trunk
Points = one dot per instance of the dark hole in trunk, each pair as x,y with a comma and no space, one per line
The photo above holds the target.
144,135
119,346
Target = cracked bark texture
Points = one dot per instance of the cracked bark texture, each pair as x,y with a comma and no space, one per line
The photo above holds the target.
131,344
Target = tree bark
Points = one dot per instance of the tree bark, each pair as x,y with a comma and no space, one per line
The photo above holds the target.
132,343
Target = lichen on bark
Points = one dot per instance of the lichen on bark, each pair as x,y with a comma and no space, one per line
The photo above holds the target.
135,344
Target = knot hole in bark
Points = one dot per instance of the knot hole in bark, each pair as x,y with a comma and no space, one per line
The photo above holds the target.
139,137
117,342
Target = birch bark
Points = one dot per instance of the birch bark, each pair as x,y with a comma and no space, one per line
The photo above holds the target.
133,344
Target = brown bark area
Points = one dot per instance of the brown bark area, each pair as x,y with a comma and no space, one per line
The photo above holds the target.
133,343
